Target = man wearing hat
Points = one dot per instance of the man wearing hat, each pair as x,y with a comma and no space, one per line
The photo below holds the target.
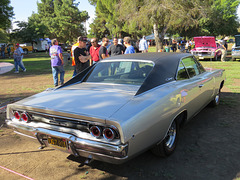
17,56
81,55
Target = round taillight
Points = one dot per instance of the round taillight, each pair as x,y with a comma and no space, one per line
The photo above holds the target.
108,134
24,117
17,115
95,131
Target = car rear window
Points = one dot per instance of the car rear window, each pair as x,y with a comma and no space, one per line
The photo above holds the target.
120,72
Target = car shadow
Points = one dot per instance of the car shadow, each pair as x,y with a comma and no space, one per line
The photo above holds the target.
208,148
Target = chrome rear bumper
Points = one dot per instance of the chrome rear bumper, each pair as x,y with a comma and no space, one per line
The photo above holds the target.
115,154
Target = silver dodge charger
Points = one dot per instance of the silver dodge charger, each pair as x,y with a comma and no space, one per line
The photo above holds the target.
120,107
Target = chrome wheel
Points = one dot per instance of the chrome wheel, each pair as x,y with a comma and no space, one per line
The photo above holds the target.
171,135
168,144
217,99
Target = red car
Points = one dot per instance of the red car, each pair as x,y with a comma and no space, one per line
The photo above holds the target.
206,48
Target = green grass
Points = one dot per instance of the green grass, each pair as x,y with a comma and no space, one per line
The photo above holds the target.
38,65
232,73
37,78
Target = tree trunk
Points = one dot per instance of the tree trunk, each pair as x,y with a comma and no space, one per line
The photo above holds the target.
156,36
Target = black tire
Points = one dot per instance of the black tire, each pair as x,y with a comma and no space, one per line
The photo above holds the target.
25,51
169,143
215,102
233,59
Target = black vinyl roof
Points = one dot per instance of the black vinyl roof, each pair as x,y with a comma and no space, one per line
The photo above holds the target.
164,71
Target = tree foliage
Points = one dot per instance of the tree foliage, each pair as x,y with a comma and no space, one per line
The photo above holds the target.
107,21
188,18
6,13
29,31
55,19
62,18
222,18
162,15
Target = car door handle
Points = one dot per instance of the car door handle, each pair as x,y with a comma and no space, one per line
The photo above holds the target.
201,85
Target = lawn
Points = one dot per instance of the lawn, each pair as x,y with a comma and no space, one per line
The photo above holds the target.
39,77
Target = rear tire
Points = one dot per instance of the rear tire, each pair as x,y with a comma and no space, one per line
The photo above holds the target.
168,144
25,51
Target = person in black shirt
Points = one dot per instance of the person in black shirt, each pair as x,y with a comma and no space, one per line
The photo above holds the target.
81,55
103,53
115,48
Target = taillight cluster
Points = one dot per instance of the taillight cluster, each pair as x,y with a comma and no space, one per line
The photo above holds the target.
108,133
21,116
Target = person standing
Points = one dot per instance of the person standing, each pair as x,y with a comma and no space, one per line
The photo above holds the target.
129,47
73,60
223,50
174,45
94,51
81,55
103,52
143,45
17,56
56,62
115,49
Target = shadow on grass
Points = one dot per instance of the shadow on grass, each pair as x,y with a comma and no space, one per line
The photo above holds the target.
208,148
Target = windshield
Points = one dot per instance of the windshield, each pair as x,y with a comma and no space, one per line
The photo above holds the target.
120,72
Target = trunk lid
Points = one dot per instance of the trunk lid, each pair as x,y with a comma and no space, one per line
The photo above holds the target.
85,99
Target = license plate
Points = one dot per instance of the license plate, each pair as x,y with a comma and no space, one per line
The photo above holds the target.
57,142
200,57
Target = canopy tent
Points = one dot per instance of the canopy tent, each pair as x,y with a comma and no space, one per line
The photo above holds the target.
151,37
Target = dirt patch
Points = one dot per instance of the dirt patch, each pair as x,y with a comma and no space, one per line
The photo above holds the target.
236,82
208,148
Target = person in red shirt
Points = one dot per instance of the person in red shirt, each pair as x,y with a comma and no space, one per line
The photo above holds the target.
94,50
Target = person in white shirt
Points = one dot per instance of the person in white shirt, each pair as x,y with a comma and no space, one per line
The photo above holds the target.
143,45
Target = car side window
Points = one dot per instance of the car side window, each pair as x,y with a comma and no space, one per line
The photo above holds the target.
182,73
191,66
200,67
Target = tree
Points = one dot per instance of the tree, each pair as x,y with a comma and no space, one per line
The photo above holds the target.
162,15
107,21
6,13
62,19
223,18
29,31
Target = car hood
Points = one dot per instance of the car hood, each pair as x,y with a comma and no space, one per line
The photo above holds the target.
205,41
84,99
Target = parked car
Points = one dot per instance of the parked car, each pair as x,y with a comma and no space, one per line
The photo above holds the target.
236,48
206,48
120,107
65,47
27,47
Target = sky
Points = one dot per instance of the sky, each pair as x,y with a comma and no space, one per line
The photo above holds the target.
24,9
